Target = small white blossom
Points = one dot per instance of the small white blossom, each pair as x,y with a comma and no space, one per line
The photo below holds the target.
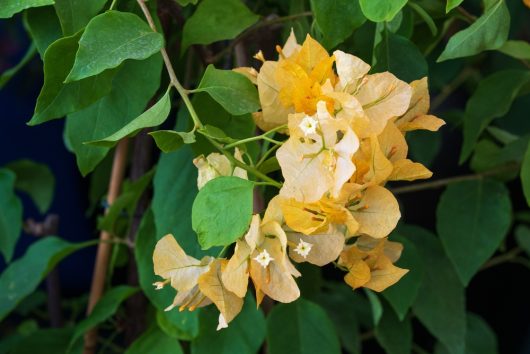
308,125
303,248
222,322
159,285
264,258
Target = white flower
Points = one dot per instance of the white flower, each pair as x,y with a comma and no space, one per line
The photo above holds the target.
309,125
303,248
222,322
264,258
160,284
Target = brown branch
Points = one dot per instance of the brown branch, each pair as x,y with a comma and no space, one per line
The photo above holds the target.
105,247
445,181
502,258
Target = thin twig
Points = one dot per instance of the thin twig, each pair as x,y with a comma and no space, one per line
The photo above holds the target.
252,29
451,87
105,247
445,181
502,258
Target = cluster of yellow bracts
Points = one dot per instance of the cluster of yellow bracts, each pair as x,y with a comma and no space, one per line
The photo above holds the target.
346,133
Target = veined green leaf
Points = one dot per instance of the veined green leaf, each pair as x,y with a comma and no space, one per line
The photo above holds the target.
522,235
231,90
393,334
381,10
11,7
10,215
337,19
58,99
104,309
488,32
451,4
111,38
132,88
402,295
75,14
516,49
525,174
492,99
440,304
473,217
216,20
36,180
43,26
244,335
401,57
214,223
23,276
480,338
301,327
153,117
170,140
155,341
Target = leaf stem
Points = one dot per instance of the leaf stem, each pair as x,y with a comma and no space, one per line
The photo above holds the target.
113,4
263,136
445,181
503,258
185,98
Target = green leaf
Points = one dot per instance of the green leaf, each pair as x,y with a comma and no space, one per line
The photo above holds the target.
36,180
10,214
56,98
187,2
301,327
216,133
516,49
451,4
480,338
214,223
55,340
9,73
182,325
216,20
154,341
176,180
231,90
525,174
440,304
132,88
339,303
244,335
492,99
170,140
522,235
105,308
401,57
381,10
402,295
337,19
111,38
11,7
424,146
393,334
74,14
23,276
375,305
473,217
488,32
43,26
153,117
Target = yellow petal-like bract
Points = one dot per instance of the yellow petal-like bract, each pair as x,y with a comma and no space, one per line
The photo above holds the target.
346,133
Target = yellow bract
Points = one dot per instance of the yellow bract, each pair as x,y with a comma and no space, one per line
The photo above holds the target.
346,139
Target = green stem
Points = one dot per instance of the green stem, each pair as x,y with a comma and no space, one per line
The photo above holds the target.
113,4
263,136
266,154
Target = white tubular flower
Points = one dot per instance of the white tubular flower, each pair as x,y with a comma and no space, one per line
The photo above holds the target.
264,258
222,322
308,125
303,248
159,285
